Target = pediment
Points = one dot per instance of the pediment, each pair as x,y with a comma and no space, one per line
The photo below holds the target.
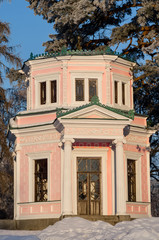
94,112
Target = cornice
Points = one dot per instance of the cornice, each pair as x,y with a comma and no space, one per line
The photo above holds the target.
107,53
32,128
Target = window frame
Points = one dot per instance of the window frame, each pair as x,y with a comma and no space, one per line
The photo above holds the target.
120,79
36,182
133,185
48,79
52,90
86,76
42,91
32,157
96,88
76,96
134,156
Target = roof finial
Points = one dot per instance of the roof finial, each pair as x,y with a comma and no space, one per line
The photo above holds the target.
95,100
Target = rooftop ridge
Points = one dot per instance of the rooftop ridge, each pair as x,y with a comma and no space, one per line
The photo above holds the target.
65,52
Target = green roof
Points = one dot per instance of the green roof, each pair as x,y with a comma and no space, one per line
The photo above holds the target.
65,52
95,101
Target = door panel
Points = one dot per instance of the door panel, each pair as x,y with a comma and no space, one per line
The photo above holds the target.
88,186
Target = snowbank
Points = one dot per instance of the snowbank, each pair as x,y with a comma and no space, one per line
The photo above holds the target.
81,229
78,228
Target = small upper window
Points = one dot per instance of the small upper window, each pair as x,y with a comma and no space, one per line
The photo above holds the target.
131,171
43,93
92,88
53,92
116,91
123,93
41,191
79,85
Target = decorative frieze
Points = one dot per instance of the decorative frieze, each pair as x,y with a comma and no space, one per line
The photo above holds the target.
90,144
94,131
39,138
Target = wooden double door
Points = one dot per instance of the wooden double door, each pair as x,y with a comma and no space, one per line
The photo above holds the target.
88,186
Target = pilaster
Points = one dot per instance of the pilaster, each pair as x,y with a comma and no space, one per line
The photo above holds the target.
120,183
67,184
17,181
108,79
64,67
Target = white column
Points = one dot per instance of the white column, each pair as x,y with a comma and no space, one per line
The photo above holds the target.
120,181
148,182
17,182
67,184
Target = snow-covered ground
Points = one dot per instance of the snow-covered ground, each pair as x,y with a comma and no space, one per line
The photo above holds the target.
80,229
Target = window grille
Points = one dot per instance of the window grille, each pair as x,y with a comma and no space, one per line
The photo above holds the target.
79,85
92,88
53,92
42,93
41,190
123,93
116,91
131,171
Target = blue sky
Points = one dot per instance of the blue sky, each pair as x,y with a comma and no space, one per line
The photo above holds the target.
27,30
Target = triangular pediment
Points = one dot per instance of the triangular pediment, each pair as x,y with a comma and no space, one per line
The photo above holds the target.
94,112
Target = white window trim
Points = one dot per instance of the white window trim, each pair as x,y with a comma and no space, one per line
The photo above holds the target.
86,76
32,157
93,153
136,157
121,79
47,78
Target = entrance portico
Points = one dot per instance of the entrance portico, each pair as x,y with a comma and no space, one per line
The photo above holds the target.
93,140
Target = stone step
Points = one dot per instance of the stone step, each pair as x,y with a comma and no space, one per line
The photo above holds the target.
39,224
112,219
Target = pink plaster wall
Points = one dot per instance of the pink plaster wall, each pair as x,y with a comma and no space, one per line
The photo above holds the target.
55,170
26,120
144,181
120,69
140,121
137,208
64,69
49,69
39,209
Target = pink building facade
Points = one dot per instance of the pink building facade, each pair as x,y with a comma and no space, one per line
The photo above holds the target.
80,149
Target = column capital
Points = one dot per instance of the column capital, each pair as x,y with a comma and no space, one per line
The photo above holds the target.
119,141
68,140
